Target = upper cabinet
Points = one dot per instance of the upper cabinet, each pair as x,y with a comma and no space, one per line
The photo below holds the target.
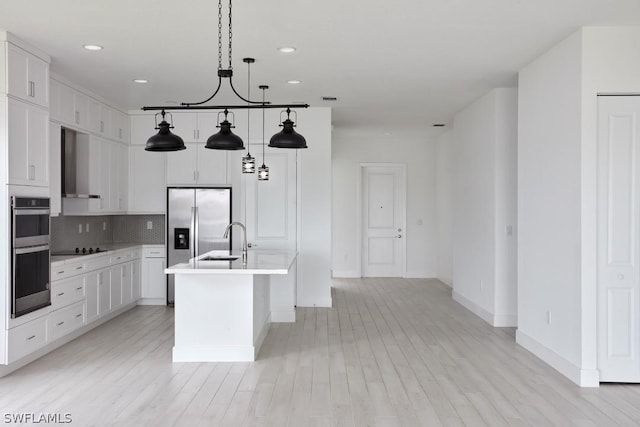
76,110
194,127
27,76
28,136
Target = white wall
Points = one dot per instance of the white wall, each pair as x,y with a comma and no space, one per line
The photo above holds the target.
484,198
444,176
314,229
558,247
549,182
420,157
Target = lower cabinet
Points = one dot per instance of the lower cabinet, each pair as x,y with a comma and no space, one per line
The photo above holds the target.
81,293
27,338
154,281
66,320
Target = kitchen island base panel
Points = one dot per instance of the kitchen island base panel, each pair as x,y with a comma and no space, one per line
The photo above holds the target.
220,319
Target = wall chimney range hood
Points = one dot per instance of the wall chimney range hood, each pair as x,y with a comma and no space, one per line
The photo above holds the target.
70,187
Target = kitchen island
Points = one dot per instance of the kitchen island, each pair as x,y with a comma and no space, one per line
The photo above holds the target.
223,307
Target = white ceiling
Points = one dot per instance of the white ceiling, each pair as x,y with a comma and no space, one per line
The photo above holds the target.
396,66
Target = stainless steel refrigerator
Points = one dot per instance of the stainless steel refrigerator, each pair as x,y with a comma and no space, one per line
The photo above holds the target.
196,220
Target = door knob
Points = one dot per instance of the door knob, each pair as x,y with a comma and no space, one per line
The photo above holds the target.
399,236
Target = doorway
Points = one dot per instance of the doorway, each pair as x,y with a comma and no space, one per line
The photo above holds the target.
383,219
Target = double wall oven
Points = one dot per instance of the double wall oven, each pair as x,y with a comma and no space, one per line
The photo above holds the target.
30,256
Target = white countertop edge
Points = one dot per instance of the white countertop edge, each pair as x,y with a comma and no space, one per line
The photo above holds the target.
259,262
116,248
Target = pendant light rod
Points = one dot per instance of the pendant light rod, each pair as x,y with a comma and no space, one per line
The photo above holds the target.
222,107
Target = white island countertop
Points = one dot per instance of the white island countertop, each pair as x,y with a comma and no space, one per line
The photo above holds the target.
258,262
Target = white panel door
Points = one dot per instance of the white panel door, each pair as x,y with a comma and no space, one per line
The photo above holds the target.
618,239
270,206
383,217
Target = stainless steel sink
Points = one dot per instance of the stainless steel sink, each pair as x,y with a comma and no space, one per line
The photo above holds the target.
219,258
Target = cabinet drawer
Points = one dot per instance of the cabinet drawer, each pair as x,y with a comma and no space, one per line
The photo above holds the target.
27,338
67,270
119,258
66,292
97,263
153,253
66,320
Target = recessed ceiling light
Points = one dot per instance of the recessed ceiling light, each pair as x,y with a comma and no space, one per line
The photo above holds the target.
93,47
294,82
140,81
387,134
287,49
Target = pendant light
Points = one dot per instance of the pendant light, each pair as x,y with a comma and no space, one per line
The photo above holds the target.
248,161
164,140
288,137
224,139
263,171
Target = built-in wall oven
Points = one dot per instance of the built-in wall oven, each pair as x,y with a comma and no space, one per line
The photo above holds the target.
30,262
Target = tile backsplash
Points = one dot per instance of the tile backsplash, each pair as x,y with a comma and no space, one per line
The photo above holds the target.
69,232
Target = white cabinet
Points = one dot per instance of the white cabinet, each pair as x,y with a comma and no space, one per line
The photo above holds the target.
64,321
194,127
142,128
26,338
147,191
99,118
197,165
73,106
92,281
136,278
27,76
119,126
28,137
154,284
104,292
116,286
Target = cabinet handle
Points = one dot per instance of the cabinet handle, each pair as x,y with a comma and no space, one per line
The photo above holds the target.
79,288
60,324
78,315
79,268
32,89
31,337
60,294
101,126
198,131
60,272
120,133
32,172
77,117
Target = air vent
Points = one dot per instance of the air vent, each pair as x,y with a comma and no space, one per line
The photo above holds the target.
329,98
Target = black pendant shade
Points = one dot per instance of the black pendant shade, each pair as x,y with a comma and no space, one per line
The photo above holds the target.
225,139
287,137
164,140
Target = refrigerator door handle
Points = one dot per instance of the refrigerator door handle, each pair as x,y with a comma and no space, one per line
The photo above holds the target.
192,231
196,223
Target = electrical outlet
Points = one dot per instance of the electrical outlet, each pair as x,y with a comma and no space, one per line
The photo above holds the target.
149,225
79,228
86,228
104,225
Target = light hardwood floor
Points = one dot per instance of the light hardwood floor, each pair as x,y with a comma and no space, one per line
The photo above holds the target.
391,352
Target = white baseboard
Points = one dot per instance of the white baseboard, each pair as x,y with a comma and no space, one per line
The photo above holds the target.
7,369
214,353
446,281
582,377
345,274
495,320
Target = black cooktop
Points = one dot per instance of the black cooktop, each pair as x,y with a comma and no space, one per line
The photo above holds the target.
80,251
